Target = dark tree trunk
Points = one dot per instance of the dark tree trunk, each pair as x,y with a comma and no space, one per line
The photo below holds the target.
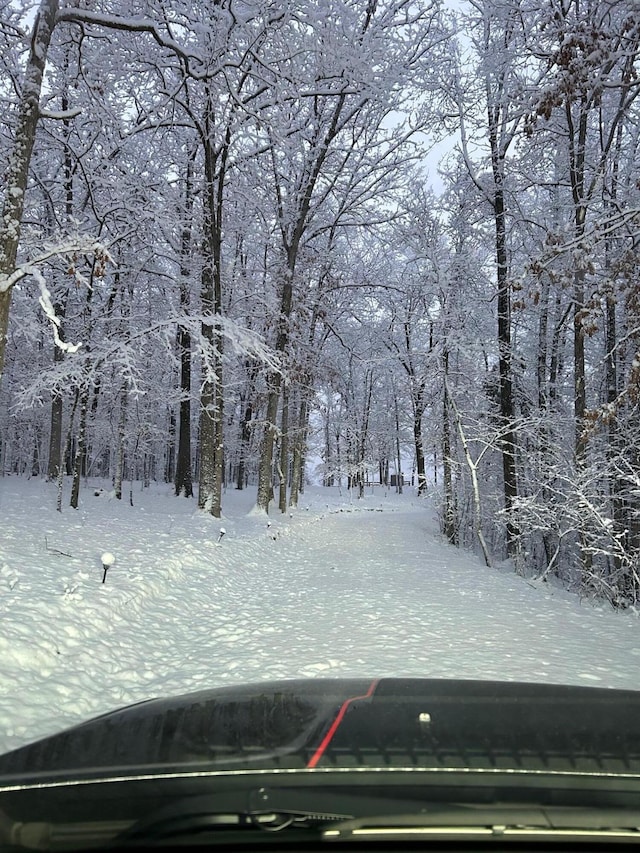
283,467
212,395
245,438
80,455
55,433
418,409
184,475
400,476
449,504
122,425
507,409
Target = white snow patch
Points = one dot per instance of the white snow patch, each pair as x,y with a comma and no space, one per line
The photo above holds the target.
368,591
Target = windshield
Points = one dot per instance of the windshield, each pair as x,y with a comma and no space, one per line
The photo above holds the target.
319,362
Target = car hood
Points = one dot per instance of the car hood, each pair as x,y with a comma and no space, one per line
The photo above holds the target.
351,723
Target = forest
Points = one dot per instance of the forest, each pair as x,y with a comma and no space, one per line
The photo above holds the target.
253,243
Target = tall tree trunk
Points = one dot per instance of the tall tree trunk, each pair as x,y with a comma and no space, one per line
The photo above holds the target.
418,410
549,538
507,412
55,432
449,506
20,159
577,155
399,474
283,467
265,469
212,396
364,433
328,475
170,447
67,451
623,520
35,457
245,437
122,425
300,443
577,138
207,436
81,444
184,475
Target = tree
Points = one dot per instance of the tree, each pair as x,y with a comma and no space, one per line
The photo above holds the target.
20,159
499,36
321,134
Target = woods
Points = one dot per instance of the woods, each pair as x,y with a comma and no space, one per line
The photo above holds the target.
229,259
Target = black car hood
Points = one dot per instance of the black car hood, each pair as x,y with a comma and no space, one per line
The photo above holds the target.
334,723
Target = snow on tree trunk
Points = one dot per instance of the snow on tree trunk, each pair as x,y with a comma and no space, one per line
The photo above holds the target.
473,471
20,159
212,395
418,408
265,469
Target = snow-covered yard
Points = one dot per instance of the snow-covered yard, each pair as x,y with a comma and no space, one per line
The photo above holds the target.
340,587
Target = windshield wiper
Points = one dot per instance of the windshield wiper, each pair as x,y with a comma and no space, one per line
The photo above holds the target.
336,815
506,823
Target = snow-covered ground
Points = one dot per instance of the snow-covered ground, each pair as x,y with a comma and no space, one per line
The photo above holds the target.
342,587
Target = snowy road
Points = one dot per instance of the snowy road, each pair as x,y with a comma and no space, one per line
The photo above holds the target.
367,588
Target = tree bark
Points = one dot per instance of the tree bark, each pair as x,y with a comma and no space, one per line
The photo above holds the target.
81,444
507,409
399,474
212,396
20,160
55,432
449,506
245,437
122,424
283,467
300,443
418,410
183,475
265,468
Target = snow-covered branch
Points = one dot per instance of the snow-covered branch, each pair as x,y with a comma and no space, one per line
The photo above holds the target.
49,310
70,247
61,115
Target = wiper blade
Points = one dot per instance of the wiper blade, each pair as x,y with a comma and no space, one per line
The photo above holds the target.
501,822
337,815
